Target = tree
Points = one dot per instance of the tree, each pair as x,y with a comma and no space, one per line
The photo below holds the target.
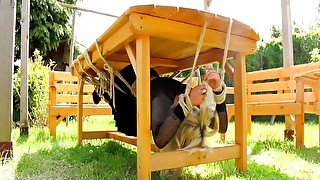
269,55
49,25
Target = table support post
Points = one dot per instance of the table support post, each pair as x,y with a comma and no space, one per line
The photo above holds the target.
143,108
300,117
240,110
80,108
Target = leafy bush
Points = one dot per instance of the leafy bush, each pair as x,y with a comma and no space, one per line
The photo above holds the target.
38,90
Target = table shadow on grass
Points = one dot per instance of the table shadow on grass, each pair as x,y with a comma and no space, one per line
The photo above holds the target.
109,161
311,154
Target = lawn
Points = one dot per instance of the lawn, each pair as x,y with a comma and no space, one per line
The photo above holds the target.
42,157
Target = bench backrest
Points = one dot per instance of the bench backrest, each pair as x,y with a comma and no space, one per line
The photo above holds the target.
278,84
64,89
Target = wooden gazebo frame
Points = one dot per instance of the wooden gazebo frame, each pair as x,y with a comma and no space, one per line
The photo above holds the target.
165,38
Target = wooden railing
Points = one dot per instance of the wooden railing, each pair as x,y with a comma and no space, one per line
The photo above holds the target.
283,91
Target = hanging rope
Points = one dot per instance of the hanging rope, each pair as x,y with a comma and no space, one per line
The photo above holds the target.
88,77
225,52
184,99
105,82
113,71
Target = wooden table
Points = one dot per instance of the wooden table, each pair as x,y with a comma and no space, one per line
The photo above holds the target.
165,38
310,78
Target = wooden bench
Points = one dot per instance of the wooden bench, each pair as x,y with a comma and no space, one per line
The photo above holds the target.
63,98
283,91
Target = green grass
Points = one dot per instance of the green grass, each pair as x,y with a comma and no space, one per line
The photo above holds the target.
41,157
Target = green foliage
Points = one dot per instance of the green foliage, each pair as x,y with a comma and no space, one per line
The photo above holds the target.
48,24
270,54
38,87
315,55
41,157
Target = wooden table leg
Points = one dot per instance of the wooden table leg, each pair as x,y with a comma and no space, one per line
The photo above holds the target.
240,110
143,108
80,108
300,117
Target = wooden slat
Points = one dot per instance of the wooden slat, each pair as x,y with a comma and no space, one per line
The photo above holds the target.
274,109
67,98
272,86
175,159
64,76
318,108
281,72
197,18
143,24
94,134
111,43
73,88
80,108
263,74
310,108
128,139
264,98
230,90
204,58
87,110
285,108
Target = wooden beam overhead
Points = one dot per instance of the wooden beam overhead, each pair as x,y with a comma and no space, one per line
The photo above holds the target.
143,24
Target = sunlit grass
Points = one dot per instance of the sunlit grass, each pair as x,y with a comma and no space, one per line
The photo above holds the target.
269,157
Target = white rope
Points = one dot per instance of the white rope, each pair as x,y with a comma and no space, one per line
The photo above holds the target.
88,77
103,86
225,52
100,88
115,72
184,99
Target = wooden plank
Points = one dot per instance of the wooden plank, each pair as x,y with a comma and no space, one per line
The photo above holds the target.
285,108
317,108
132,56
204,58
281,72
230,90
64,76
155,61
94,134
310,74
196,18
300,117
143,108
143,24
128,139
266,98
175,159
272,86
80,109
310,108
73,88
113,43
240,111
67,98
87,110
275,109
110,44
